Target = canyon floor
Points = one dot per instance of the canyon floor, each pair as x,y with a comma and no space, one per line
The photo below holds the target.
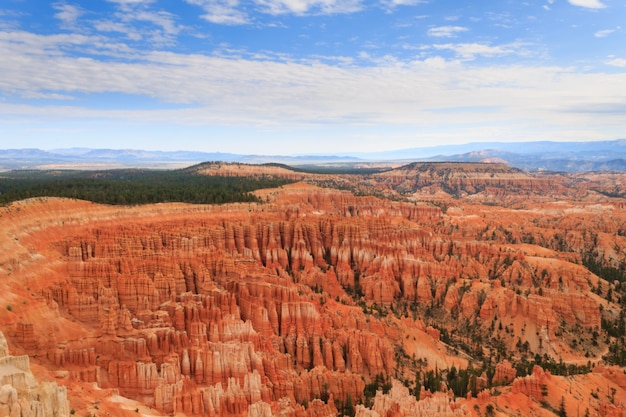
433,289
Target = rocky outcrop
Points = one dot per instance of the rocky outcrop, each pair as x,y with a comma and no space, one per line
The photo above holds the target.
505,373
534,385
465,178
611,410
22,395
399,403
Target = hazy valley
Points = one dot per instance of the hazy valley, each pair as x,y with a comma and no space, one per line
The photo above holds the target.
607,155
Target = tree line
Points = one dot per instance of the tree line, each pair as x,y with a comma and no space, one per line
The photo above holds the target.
132,187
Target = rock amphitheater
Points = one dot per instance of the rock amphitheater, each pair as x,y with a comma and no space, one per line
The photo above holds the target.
294,306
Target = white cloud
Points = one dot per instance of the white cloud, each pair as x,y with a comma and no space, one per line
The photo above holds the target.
110,26
446,31
9,20
469,51
130,2
590,4
132,18
301,7
225,16
394,3
68,14
617,62
209,90
230,12
223,12
604,33
137,22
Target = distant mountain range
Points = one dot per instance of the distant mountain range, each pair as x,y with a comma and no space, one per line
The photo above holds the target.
528,156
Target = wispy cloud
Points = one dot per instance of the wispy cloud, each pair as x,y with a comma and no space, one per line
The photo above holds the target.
547,6
9,20
394,3
244,91
138,22
446,31
616,62
110,26
315,76
68,14
224,12
604,33
589,4
232,12
301,7
131,2
469,51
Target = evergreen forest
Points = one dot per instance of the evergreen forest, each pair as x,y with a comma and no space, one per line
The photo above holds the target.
132,186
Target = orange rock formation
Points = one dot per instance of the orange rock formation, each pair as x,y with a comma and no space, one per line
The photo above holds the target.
292,306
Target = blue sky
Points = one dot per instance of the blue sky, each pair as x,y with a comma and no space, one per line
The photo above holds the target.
309,76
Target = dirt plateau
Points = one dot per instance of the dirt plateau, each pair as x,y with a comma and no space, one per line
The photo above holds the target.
294,306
